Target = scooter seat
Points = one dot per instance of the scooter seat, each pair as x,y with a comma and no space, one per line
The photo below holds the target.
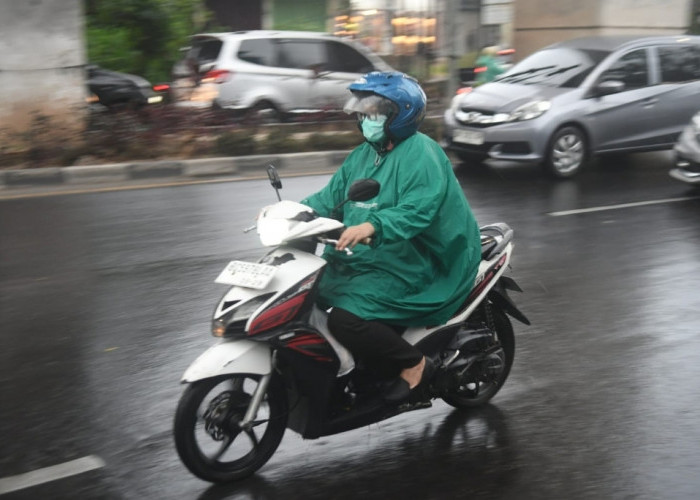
488,243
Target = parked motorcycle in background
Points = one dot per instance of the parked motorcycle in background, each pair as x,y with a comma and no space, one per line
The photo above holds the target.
278,366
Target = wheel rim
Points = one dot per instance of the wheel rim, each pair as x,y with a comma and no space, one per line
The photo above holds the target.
567,153
218,436
480,385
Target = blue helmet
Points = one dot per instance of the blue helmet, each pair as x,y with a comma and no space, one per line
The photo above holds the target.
407,101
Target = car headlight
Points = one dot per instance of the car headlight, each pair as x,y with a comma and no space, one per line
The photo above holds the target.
695,124
529,111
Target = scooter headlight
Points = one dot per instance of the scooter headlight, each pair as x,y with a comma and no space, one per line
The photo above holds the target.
234,321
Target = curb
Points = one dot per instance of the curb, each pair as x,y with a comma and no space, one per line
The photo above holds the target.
182,170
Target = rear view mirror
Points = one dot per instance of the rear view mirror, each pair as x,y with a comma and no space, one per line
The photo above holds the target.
363,190
274,180
608,87
360,190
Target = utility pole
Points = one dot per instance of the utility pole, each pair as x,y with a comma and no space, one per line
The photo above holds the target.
387,29
451,47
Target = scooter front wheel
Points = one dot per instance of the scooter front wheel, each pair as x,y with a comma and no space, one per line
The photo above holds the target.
208,437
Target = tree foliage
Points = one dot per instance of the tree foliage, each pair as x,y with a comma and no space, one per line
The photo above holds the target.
142,37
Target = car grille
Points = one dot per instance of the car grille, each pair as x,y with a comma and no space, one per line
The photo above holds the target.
474,117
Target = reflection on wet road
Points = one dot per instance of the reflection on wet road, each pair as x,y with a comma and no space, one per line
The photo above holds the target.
106,299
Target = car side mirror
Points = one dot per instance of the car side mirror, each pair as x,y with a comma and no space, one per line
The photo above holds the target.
363,190
609,87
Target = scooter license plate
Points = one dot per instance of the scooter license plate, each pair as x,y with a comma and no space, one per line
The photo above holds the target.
468,137
246,274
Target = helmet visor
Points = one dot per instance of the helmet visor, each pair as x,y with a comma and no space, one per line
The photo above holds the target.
368,104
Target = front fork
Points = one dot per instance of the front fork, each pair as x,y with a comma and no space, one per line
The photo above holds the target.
254,405
252,411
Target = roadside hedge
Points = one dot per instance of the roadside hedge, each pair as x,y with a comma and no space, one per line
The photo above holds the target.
168,133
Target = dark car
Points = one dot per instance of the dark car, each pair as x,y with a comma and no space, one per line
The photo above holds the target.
113,89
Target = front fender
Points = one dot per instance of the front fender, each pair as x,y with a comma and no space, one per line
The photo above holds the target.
239,356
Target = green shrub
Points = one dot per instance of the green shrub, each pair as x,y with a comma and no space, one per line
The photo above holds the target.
236,143
281,141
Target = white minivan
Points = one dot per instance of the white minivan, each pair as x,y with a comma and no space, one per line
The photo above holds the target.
271,73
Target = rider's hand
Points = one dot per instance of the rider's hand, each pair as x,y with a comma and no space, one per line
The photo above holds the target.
362,233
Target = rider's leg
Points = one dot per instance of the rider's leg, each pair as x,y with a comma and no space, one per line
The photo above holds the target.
378,343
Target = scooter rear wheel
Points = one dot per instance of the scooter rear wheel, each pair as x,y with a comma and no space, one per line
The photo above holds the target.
476,393
207,435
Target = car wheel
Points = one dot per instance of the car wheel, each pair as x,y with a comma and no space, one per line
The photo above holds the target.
264,112
567,153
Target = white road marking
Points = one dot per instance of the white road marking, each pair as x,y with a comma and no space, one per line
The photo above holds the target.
624,205
60,471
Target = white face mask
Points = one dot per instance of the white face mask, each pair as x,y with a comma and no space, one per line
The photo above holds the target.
373,129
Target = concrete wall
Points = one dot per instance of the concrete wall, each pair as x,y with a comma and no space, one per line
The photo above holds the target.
541,22
42,57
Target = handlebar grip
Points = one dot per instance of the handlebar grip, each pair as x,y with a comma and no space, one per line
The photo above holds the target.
329,241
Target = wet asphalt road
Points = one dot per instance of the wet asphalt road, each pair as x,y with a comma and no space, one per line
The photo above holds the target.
106,298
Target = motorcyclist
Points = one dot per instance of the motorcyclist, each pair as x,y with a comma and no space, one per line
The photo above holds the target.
422,241
489,64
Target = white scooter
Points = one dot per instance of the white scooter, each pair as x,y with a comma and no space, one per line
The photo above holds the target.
278,366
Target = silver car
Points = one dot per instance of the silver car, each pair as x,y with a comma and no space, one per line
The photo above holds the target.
271,73
572,100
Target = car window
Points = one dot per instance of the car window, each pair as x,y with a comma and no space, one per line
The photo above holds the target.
303,54
258,51
208,50
344,58
556,67
632,69
679,63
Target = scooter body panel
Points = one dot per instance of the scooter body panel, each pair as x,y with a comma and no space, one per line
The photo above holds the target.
240,356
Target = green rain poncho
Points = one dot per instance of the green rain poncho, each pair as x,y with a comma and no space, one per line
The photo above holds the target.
426,249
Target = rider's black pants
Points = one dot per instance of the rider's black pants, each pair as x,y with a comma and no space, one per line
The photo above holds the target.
379,346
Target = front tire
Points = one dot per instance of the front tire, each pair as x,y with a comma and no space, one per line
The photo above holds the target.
477,392
209,441
567,153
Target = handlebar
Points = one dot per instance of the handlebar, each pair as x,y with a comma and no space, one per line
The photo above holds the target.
329,241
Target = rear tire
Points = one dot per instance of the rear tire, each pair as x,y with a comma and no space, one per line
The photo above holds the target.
264,112
209,442
477,394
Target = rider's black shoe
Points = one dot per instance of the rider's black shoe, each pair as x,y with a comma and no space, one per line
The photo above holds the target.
421,393
398,390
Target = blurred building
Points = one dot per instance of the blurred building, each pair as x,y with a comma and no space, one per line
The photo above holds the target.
42,58
240,15
436,27
538,23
